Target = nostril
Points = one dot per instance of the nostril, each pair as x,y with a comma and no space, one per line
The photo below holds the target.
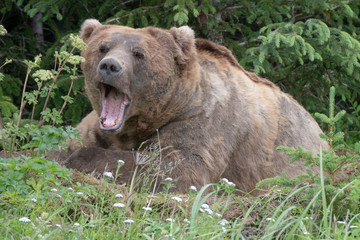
103,66
113,68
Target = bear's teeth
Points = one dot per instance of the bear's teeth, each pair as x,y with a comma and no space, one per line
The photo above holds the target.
109,123
106,123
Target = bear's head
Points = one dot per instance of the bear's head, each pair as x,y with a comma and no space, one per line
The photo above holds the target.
138,78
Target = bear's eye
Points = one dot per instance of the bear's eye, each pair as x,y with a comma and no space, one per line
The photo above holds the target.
138,53
104,48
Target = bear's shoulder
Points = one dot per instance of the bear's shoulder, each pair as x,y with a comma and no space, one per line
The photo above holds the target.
225,56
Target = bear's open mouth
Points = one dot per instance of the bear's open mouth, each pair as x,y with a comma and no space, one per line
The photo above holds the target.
113,107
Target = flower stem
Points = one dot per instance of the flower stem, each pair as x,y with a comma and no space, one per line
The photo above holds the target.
22,106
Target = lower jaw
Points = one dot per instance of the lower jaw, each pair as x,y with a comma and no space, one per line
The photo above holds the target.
109,129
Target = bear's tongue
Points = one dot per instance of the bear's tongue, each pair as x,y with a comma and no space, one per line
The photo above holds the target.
113,107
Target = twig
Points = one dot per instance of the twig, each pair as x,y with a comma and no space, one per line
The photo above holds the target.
23,103
67,97
338,167
331,137
33,110
310,159
3,65
2,137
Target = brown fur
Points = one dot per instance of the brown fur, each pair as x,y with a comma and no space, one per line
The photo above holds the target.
217,119
218,51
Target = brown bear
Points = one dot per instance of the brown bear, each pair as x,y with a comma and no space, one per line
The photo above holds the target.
212,118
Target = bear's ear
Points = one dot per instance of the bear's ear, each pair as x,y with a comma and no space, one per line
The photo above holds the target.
185,38
88,27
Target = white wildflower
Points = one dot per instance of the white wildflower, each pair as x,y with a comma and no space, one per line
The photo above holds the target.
43,74
2,30
121,162
58,195
75,59
58,225
205,206
128,221
186,220
170,220
34,200
37,59
76,224
225,180
80,193
54,190
168,179
270,219
231,184
224,229
208,210
77,42
119,195
353,226
70,188
306,233
223,222
177,199
147,208
341,222
119,205
228,182
193,188
108,174
24,219
218,214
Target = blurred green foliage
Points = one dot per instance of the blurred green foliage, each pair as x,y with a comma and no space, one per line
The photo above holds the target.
303,46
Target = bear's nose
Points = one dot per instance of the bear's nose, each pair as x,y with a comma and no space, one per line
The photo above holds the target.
109,68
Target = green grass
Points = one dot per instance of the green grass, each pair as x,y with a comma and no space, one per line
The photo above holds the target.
74,206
